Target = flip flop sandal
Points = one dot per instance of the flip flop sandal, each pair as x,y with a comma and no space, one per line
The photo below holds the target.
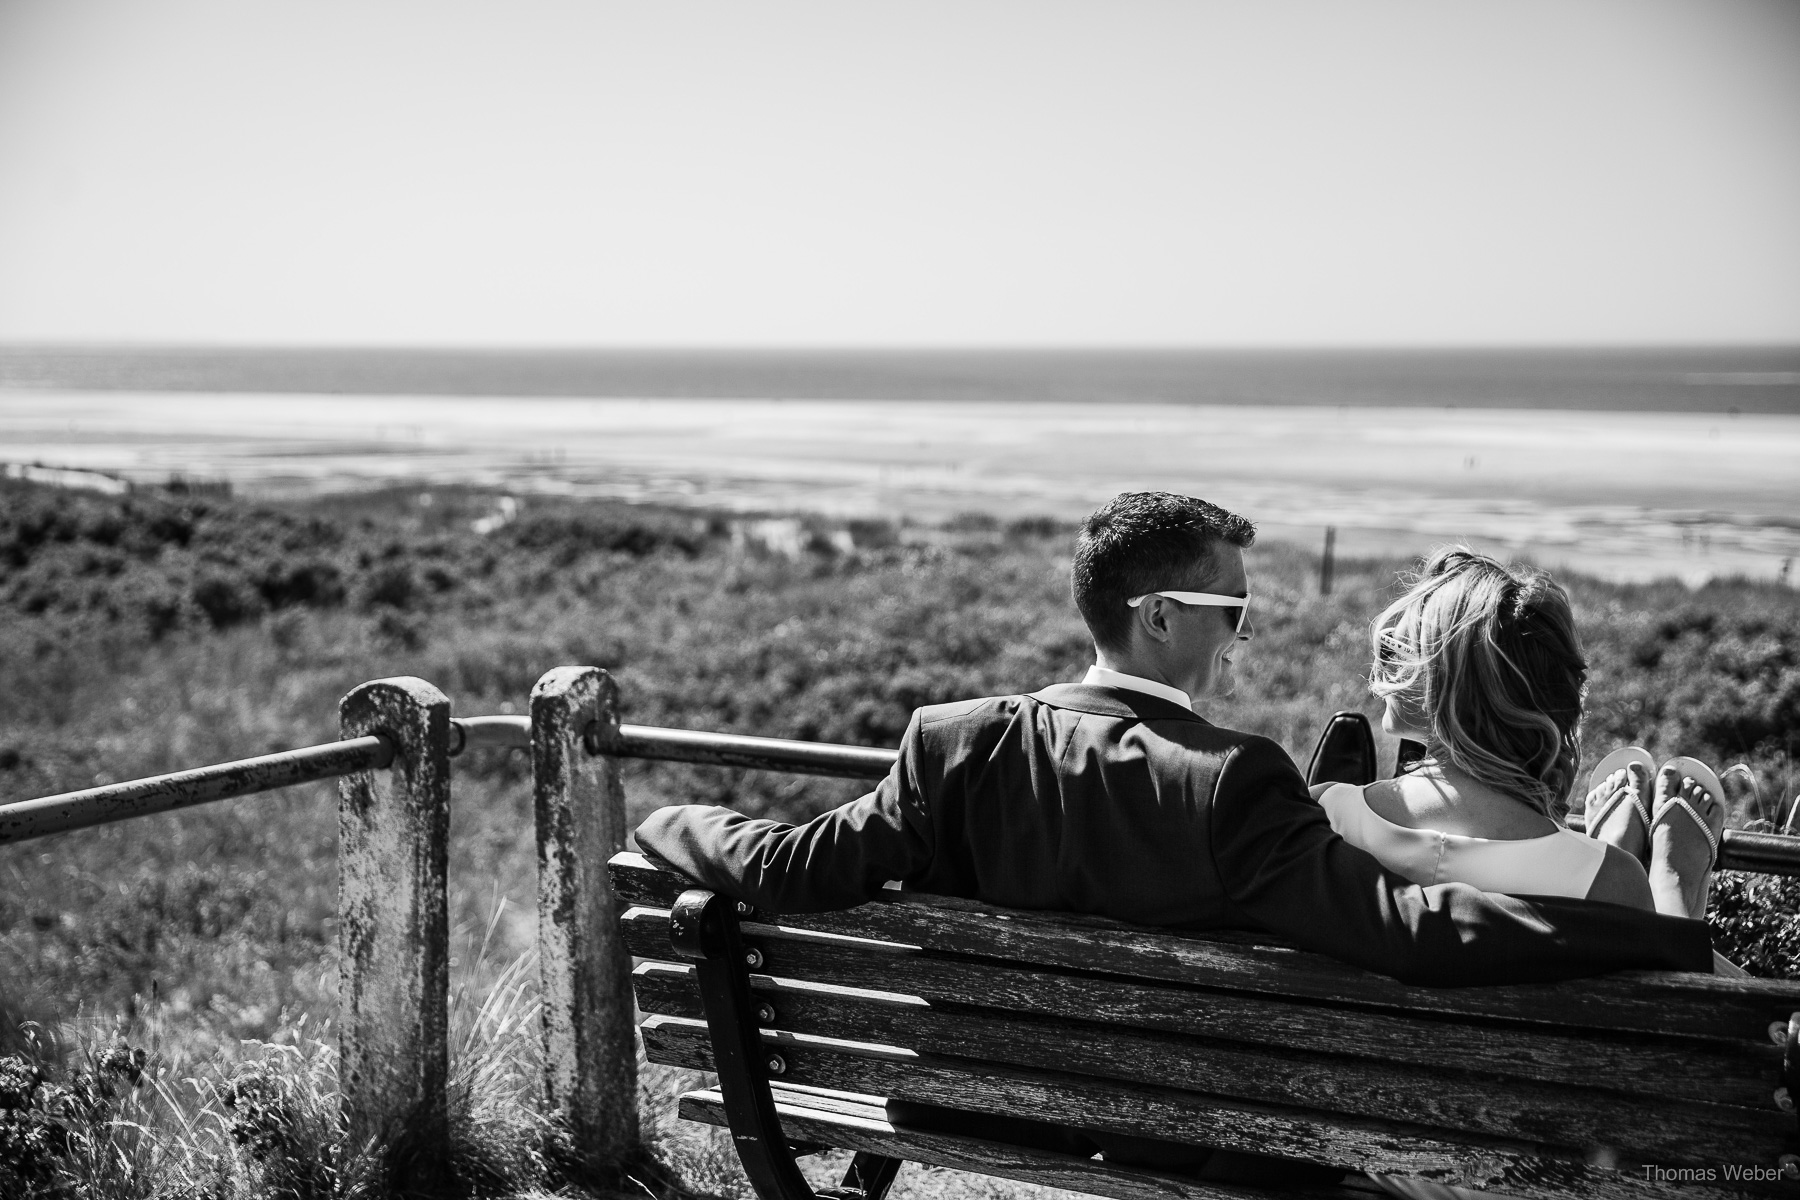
1700,773
1618,760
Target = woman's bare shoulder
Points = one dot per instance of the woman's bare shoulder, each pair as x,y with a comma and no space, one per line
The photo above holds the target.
1621,880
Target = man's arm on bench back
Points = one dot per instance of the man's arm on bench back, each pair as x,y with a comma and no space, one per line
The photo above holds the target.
1289,873
837,860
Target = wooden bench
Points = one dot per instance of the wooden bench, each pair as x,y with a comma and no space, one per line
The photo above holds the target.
1640,1084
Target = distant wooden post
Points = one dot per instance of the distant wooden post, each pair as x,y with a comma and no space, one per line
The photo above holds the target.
1327,565
590,1052
393,930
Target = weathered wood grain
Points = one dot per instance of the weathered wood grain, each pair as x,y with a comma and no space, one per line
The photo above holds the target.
806,1116
393,928
590,1059
1741,1073
1662,1130
1357,1144
1646,1002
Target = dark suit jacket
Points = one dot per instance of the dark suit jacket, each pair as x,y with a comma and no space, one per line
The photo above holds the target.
1098,800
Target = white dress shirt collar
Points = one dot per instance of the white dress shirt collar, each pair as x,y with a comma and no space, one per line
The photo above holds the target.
1098,676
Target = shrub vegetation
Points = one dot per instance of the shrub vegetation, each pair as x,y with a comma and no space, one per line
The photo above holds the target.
169,628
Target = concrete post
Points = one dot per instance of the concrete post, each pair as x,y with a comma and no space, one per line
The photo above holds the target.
393,930
590,1051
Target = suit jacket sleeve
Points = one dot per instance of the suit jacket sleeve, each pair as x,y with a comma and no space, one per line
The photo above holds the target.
836,860
1286,871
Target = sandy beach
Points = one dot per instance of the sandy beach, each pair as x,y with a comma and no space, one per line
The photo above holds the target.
1626,495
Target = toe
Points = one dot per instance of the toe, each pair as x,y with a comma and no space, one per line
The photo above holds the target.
1607,789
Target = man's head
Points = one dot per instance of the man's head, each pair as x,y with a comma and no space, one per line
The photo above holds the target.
1140,543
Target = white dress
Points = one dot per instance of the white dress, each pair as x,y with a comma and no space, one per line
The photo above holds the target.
1563,863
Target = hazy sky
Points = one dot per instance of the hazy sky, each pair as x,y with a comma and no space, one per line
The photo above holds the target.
524,172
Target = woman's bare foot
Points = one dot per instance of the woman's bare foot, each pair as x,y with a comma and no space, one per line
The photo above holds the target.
1617,813
1681,855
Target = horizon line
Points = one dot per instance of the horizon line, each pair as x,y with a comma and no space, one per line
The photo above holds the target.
128,345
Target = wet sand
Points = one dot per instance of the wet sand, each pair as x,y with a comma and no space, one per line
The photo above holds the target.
1621,494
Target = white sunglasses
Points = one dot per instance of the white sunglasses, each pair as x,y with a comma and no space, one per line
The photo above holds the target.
1209,599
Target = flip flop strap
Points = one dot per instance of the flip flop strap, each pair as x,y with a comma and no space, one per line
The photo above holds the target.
1712,839
1635,795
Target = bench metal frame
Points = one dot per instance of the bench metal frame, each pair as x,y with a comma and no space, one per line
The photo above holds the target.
703,928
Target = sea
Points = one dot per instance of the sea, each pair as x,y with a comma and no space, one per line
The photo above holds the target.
1622,463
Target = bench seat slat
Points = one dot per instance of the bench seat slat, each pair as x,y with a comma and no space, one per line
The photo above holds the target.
1713,1071
1666,1131
803,1117
1355,1144
1650,1002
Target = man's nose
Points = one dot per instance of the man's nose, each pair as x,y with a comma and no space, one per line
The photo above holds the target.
1248,631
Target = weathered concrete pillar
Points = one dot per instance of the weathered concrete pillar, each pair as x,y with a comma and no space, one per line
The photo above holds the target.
590,1055
393,930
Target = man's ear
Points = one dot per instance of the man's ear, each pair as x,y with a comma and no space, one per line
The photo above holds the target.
1153,619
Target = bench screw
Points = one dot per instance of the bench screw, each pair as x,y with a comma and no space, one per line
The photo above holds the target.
777,1065
765,1012
1778,1032
1790,1165
753,958
745,910
1783,1101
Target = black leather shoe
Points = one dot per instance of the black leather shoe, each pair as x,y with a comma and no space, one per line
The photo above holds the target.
1345,753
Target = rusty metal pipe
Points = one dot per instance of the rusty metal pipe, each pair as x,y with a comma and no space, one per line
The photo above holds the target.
489,733
1768,853
1741,850
29,819
757,753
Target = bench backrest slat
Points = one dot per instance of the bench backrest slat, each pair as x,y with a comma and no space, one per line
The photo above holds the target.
1660,1129
1550,1091
1171,1115
1658,1003
1707,1070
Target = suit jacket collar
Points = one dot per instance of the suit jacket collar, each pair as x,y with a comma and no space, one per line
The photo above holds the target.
1114,702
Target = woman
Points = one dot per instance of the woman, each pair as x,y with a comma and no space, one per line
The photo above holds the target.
1480,662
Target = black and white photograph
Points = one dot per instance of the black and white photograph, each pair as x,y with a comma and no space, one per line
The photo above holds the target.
899,601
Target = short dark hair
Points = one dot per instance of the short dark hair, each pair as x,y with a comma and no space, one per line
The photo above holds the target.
1141,542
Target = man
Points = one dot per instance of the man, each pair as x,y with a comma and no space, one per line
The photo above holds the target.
1111,796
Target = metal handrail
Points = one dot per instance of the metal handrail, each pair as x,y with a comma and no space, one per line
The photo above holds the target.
24,820
1741,849
489,733
692,746
1767,853
757,753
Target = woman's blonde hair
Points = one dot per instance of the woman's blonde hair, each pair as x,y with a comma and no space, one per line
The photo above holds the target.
1485,657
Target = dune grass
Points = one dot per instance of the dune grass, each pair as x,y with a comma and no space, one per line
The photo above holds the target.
167,629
